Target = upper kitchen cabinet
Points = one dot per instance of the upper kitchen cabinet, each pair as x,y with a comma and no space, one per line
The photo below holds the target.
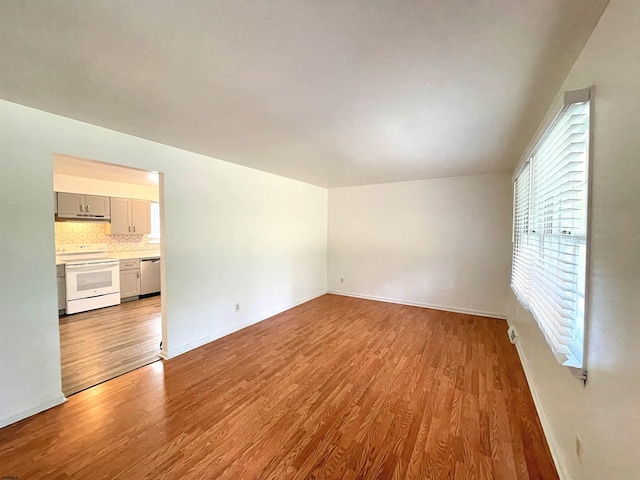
130,216
78,205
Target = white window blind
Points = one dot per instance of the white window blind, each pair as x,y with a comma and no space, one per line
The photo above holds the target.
521,257
550,233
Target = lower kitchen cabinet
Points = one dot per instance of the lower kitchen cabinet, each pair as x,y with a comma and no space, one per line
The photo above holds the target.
129,278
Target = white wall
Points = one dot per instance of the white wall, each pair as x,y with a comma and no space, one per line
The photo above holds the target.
606,414
443,243
232,235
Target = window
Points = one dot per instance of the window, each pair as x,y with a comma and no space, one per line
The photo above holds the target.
551,197
154,236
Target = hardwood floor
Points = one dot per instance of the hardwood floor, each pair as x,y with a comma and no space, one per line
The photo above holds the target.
101,344
337,388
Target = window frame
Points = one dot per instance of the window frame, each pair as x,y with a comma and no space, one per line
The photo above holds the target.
151,238
570,98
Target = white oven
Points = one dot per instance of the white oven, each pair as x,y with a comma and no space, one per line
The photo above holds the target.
91,282
92,285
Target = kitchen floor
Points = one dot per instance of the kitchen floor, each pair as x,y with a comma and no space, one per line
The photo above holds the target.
102,344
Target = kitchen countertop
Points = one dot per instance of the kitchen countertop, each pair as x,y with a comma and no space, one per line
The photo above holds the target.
141,254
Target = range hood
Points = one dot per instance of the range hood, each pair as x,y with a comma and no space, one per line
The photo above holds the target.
61,217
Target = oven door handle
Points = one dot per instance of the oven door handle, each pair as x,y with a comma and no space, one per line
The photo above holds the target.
92,265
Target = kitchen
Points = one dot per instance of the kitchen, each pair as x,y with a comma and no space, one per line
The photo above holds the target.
107,236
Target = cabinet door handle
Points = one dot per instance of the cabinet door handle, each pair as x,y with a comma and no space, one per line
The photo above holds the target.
138,274
134,229
88,208
129,228
81,207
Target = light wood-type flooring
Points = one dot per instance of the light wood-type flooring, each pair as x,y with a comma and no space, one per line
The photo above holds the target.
337,388
101,344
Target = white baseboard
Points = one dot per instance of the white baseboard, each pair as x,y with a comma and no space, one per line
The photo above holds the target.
546,427
169,354
32,411
444,308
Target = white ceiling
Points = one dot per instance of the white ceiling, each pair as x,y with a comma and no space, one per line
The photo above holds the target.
79,167
334,93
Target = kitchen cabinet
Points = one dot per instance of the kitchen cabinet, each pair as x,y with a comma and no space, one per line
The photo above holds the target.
79,204
130,216
129,278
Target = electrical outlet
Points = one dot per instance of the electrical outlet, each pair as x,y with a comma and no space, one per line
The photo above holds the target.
513,335
579,448
237,307
342,280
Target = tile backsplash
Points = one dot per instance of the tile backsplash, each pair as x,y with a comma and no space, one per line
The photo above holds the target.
68,233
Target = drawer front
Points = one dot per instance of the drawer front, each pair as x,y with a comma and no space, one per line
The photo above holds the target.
129,264
60,270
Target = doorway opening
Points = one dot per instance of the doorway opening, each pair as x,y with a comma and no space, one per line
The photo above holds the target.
109,260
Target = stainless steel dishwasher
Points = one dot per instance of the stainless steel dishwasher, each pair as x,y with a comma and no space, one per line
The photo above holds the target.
149,276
